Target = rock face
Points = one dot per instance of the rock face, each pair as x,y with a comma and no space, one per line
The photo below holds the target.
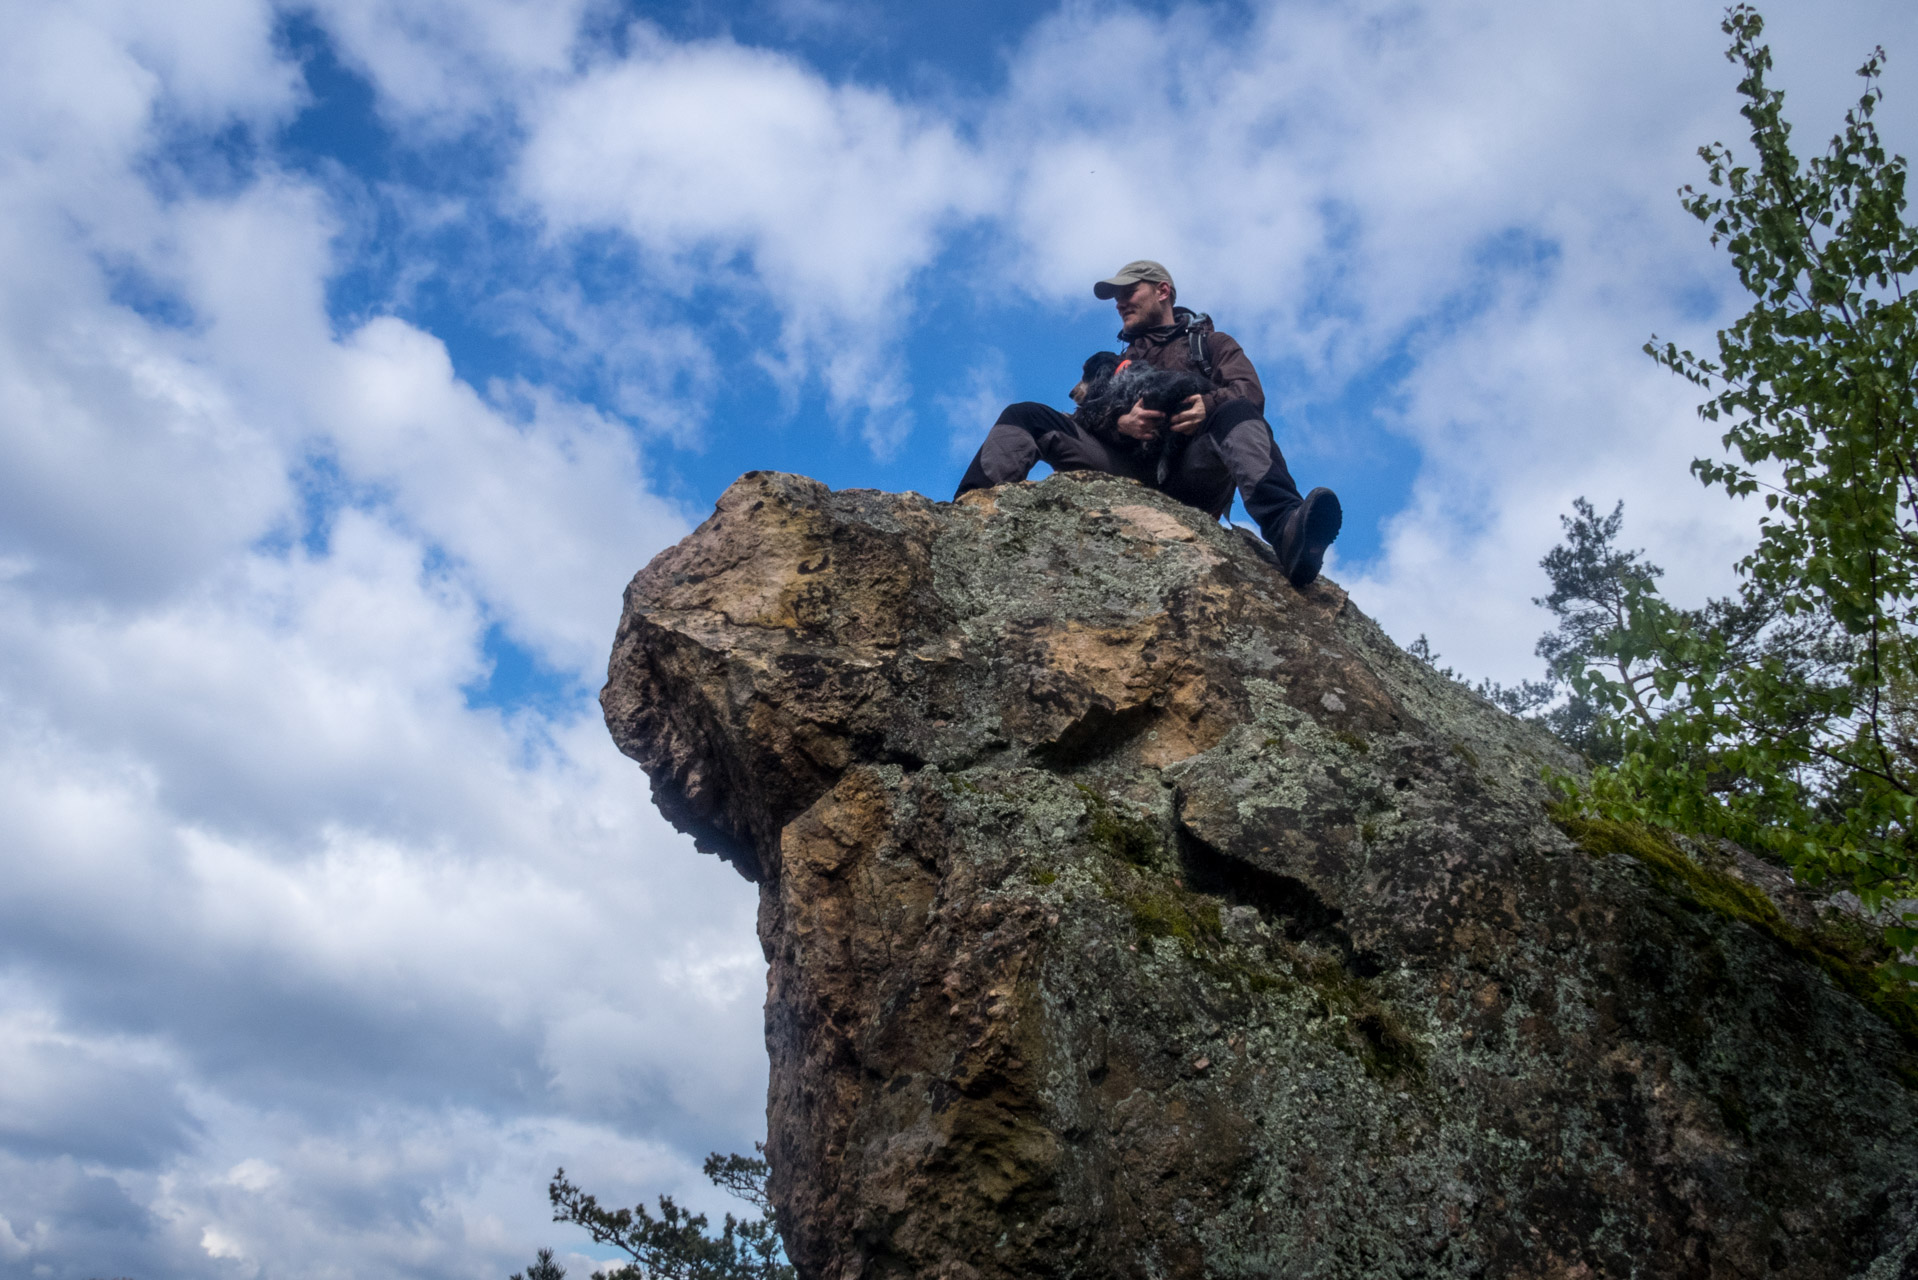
1131,913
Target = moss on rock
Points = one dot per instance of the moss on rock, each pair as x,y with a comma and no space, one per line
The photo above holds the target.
1190,919
1130,839
1844,948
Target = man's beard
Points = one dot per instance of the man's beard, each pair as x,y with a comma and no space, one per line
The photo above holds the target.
1133,332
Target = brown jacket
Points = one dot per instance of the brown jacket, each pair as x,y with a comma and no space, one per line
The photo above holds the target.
1171,348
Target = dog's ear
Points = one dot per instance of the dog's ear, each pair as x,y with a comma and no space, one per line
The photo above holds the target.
1097,368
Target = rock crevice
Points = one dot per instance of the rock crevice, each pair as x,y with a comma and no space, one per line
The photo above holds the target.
1130,913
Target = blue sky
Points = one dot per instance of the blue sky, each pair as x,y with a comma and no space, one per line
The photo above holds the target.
355,353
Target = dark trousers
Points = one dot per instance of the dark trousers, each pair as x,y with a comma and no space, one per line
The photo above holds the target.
1233,449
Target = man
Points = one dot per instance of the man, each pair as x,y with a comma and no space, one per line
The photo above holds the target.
1220,439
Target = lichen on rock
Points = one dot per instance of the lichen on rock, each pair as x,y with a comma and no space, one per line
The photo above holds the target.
1130,913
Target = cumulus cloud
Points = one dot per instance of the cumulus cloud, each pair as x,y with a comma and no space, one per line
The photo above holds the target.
311,966
549,511
123,466
722,161
111,1099
449,66
267,870
971,410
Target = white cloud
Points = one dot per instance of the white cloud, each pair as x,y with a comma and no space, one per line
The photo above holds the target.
743,166
362,893
974,406
838,193
305,953
550,513
446,65
12,1247
84,72
113,1098
124,466
659,373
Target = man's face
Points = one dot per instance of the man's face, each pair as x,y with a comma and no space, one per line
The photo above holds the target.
1144,306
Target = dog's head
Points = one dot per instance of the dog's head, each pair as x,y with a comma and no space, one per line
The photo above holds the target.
1099,367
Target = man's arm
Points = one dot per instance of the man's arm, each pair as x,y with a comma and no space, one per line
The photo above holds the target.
1233,372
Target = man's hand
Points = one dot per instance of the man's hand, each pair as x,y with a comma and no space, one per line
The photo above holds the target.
1190,417
1139,422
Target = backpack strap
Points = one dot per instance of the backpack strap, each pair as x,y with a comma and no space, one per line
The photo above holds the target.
1201,358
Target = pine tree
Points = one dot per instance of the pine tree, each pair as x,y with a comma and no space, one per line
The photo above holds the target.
675,1244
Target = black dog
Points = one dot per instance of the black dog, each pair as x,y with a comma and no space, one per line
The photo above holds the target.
1108,387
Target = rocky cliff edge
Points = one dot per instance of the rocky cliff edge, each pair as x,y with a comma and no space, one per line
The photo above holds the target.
1130,913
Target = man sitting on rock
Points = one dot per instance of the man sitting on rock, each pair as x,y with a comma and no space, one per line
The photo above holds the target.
1218,440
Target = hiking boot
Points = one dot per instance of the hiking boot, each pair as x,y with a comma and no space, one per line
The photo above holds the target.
1307,531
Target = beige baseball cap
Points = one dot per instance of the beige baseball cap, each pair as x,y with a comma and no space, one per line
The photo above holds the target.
1130,274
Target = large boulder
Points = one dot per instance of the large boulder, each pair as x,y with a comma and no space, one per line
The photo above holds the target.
1132,913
